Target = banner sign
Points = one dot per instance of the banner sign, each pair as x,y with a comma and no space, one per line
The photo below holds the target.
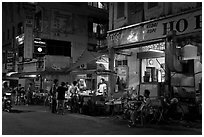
10,60
28,36
57,63
61,24
182,23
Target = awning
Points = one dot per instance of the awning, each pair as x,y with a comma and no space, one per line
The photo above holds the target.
86,57
25,74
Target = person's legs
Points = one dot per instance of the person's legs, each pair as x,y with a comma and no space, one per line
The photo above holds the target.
63,101
53,105
57,106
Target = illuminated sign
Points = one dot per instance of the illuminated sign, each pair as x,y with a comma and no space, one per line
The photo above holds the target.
157,46
36,41
156,29
20,39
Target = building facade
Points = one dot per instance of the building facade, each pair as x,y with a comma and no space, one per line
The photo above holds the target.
45,39
153,45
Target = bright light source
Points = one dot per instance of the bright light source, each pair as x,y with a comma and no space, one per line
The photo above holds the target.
10,73
32,76
39,49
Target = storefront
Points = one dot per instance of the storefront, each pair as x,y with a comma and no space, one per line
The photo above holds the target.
155,57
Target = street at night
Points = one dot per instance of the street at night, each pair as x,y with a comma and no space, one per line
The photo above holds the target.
37,120
101,68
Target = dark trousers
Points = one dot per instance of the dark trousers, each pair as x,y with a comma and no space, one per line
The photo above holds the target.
54,105
74,104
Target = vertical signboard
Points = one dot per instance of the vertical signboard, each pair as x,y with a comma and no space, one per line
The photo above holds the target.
10,60
28,32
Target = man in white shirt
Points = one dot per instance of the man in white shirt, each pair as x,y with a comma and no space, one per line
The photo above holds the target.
102,89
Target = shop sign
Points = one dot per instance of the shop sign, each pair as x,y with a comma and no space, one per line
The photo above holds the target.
157,46
9,66
182,23
82,76
20,39
30,67
39,41
28,42
57,63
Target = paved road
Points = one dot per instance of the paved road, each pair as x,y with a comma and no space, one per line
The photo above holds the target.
37,120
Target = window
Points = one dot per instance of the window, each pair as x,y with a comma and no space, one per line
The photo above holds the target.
152,4
96,29
121,63
136,7
120,9
55,47
98,5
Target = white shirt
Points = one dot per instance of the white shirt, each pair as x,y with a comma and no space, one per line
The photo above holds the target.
102,88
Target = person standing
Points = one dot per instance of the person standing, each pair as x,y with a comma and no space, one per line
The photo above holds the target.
53,94
61,97
29,93
18,90
74,96
102,88
5,89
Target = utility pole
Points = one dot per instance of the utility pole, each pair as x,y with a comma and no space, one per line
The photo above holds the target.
170,40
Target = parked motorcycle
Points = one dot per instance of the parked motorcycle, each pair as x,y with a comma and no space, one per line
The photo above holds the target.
7,103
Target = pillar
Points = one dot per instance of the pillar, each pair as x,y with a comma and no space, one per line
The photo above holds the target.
111,83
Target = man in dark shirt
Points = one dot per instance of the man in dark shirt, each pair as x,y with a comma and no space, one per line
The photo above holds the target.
53,94
61,97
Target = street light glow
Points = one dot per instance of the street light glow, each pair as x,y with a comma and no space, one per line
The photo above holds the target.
39,49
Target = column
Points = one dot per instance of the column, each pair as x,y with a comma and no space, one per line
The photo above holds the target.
111,83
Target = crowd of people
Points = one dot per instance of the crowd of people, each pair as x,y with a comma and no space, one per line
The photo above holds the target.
58,94
18,94
71,92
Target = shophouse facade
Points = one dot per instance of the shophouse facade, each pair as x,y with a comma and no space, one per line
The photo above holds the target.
146,52
48,38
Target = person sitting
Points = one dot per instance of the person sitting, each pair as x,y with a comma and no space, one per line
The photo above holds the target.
143,101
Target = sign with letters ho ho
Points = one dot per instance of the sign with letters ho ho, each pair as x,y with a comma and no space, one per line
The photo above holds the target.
184,23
